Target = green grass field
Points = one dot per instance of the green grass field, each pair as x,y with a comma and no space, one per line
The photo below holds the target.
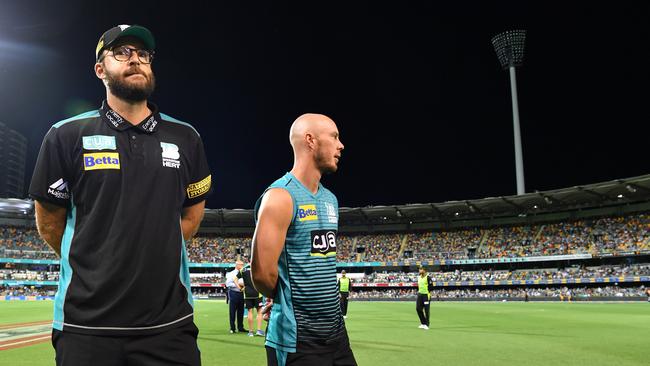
386,333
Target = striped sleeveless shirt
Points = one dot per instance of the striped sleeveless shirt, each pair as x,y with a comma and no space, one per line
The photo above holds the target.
306,315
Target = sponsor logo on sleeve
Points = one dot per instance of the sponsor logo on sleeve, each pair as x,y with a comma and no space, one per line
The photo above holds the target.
332,215
105,160
99,142
170,155
59,189
200,187
307,213
323,243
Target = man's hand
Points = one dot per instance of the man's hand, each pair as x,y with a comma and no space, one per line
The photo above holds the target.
266,309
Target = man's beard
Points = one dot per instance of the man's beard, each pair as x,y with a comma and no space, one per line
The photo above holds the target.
130,92
322,165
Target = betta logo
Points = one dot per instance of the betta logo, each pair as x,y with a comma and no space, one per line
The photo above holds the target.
307,213
96,161
323,243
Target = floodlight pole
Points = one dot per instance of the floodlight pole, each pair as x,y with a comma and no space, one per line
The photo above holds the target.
509,47
519,156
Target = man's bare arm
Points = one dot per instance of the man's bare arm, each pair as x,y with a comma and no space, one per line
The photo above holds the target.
191,219
274,218
50,222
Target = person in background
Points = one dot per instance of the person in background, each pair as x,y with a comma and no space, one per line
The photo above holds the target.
423,302
252,300
344,284
235,299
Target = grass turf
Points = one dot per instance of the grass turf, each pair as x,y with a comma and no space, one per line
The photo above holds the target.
386,333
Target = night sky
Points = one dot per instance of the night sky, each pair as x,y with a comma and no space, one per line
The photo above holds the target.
422,104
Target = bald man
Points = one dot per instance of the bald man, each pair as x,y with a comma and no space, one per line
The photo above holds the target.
235,298
294,253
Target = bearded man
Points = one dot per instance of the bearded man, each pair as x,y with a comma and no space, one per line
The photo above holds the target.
118,191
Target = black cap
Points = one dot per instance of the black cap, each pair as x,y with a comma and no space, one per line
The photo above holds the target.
110,36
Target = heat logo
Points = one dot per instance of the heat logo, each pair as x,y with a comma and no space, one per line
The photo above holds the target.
332,216
307,213
97,161
170,155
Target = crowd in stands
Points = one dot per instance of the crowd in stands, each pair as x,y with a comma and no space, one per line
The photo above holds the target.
603,236
442,245
380,247
218,279
27,291
217,249
20,242
28,275
556,293
494,275
212,278
546,292
345,251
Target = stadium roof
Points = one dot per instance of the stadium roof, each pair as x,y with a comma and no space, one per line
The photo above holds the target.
613,193
618,192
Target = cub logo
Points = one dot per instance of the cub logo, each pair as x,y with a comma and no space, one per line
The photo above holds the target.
323,243
99,142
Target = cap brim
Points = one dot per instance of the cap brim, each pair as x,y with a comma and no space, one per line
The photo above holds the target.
140,33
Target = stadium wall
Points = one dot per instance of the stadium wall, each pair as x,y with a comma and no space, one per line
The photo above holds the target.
517,299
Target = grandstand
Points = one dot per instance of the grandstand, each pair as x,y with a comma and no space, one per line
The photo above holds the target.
592,240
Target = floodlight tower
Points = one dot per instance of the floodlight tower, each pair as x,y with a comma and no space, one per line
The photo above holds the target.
509,47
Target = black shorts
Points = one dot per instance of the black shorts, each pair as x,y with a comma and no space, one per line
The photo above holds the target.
252,303
176,346
342,356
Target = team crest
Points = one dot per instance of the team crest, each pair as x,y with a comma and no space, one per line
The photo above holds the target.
170,155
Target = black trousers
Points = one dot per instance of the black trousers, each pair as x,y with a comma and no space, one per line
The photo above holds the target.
342,356
236,307
176,346
344,302
422,307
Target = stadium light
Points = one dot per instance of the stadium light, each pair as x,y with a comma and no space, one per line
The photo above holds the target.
509,47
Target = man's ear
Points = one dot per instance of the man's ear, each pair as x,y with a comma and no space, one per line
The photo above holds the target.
310,140
99,70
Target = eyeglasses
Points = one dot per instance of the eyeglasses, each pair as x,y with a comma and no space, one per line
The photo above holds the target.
123,54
